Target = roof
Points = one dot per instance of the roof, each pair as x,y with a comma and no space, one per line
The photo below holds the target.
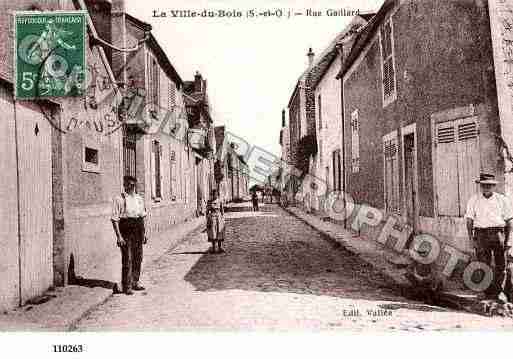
314,74
330,53
365,35
155,46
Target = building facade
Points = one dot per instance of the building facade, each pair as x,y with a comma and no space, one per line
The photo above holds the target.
61,166
65,158
201,138
232,172
420,113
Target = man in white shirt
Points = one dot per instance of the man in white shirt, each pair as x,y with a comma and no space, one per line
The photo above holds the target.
128,214
489,219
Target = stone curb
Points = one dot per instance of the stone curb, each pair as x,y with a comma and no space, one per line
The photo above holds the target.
392,274
458,301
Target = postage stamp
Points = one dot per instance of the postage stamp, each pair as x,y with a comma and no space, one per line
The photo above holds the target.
49,54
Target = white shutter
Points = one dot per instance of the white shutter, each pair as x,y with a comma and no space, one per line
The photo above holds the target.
468,160
447,169
457,164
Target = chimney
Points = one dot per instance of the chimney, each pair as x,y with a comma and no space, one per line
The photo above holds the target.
310,57
198,82
282,118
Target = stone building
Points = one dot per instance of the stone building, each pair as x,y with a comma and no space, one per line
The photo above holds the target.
64,158
201,138
327,163
421,117
60,166
232,172
155,147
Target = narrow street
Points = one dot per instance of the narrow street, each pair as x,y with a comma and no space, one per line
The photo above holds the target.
278,273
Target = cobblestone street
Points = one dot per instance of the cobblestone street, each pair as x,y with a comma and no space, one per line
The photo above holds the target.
278,273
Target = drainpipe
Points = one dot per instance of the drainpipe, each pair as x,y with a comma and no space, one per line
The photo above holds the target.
340,48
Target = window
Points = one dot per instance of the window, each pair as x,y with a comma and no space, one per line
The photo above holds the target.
319,103
172,173
355,142
171,94
337,171
298,122
327,173
388,65
153,80
391,172
129,153
457,164
156,153
90,156
320,151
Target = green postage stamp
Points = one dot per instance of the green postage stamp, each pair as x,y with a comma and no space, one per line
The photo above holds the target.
49,54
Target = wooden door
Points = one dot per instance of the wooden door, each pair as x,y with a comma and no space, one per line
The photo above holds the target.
35,200
9,255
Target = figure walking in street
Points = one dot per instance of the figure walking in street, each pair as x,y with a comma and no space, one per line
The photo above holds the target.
128,216
489,218
254,200
215,222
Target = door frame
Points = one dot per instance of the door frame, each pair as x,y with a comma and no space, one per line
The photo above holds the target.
405,131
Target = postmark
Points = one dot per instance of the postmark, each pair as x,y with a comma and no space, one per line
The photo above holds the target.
49,54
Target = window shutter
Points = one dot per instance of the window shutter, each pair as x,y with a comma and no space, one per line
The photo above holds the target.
172,171
391,173
387,60
355,142
458,164
153,172
447,170
468,160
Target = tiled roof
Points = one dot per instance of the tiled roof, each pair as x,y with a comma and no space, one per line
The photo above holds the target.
312,75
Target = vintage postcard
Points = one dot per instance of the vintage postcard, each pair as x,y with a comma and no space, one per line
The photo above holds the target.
239,166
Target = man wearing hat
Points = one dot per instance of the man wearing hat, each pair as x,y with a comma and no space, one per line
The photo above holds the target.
489,216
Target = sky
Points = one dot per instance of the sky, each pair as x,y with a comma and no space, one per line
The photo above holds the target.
251,65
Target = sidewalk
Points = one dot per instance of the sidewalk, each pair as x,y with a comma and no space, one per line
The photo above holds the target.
63,307
395,266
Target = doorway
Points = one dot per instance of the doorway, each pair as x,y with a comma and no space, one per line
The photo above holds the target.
410,176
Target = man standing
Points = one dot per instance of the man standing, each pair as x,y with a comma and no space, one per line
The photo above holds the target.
128,215
489,216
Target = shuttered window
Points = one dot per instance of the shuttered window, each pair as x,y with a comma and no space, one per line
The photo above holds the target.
156,153
171,94
129,153
355,142
457,164
388,69
391,172
153,80
337,171
172,172
319,103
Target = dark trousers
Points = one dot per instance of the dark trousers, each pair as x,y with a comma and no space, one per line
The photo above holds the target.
490,244
132,231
